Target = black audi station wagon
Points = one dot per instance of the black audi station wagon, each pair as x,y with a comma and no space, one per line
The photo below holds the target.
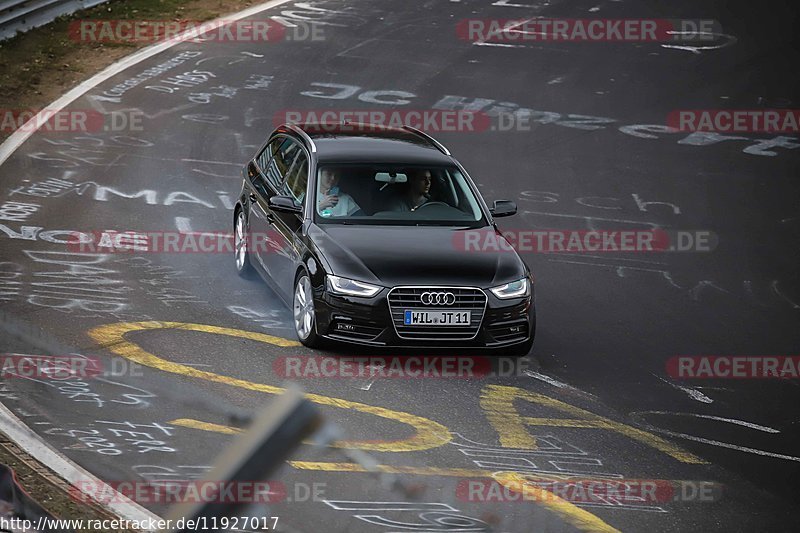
360,229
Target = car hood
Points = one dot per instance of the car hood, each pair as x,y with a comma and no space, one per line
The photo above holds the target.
415,255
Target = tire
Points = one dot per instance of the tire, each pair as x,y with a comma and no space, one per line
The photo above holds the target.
303,312
241,253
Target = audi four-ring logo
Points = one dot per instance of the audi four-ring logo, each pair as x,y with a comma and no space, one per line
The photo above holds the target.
438,298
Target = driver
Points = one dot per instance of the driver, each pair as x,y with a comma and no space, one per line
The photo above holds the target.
417,193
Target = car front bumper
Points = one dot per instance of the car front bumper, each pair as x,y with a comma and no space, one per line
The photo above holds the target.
369,321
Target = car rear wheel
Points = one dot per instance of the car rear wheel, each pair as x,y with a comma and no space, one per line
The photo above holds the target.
243,266
303,312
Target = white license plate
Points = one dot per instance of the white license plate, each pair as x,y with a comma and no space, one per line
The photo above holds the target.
451,317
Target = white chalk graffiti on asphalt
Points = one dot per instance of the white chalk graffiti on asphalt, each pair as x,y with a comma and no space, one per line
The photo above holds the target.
78,283
17,211
83,392
222,91
164,478
10,285
128,240
205,118
433,516
7,393
599,202
83,282
212,169
697,290
102,193
307,12
51,188
552,457
158,278
258,82
493,108
116,93
189,79
142,441
124,436
89,150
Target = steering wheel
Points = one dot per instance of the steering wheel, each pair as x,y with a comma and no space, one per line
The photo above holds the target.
435,202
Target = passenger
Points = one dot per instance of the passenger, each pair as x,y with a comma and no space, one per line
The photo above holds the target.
331,202
417,193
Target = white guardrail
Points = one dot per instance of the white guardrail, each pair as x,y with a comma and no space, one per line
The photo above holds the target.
22,15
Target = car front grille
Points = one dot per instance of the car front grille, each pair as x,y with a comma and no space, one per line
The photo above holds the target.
466,298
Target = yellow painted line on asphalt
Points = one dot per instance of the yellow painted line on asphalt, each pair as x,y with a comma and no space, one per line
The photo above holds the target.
389,469
537,477
427,433
579,518
498,406
498,403
573,515
205,426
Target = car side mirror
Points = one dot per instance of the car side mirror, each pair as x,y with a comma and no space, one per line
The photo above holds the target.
503,208
285,204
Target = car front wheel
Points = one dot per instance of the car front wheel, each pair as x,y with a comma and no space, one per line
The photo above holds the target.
303,312
243,266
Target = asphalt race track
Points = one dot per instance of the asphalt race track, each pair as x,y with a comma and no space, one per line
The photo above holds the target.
207,343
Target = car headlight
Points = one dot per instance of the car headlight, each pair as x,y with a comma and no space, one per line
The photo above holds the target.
351,287
515,289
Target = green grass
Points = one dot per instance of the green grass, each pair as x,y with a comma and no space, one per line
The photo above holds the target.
47,55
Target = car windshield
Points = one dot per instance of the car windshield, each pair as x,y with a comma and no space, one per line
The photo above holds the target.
395,195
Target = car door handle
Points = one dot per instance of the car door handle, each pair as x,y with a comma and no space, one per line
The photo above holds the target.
270,217
252,197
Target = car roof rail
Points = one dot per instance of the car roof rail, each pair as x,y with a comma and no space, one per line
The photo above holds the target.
306,138
428,138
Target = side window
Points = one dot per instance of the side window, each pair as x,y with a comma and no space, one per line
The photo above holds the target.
263,158
297,179
284,154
